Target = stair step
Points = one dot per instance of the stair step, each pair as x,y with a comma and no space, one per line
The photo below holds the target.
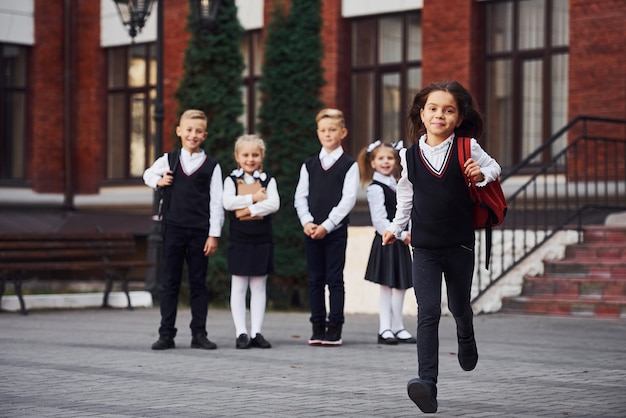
587,267
598,233
581,287
596,250
613,308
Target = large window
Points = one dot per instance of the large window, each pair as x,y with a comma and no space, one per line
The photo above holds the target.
527,53
386,74
252,52
13,87
130,124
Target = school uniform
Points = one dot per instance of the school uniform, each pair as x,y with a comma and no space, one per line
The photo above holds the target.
325,194
251,244
432,193
388,265
194,213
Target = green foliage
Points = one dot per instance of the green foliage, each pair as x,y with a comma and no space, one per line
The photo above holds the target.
212,83
290,87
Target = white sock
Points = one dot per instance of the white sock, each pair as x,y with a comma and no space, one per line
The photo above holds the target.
384,309
238,291
258,300
397,323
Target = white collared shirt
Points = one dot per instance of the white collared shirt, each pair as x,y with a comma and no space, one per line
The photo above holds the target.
189,164
436,157
348,192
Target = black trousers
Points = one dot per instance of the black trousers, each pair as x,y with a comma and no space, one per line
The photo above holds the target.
456,264
326,259
180,245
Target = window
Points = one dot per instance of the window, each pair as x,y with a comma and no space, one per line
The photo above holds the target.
252,50
527,56
13,88
386,74
130,123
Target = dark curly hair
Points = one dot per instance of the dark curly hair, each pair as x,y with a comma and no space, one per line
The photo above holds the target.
472,124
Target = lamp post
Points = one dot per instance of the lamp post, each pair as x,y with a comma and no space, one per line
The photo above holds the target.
134,14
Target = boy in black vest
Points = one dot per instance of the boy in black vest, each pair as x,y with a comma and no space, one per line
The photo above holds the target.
325,195
193,217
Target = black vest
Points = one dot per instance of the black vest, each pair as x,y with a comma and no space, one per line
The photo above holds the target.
442,210
390,199
252,231
191,197
326,186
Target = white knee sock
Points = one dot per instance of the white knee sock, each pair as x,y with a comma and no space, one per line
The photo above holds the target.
397,303
238,291
258,300
384,309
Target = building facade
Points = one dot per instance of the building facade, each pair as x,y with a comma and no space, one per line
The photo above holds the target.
76,96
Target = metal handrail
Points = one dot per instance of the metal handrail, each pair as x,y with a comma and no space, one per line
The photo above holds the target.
581,184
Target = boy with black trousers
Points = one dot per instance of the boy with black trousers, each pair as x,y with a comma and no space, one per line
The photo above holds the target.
193,217
325,195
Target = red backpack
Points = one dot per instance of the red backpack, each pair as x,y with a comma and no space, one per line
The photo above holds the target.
489,201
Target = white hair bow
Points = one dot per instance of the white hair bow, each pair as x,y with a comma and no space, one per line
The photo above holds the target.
398,145
373,146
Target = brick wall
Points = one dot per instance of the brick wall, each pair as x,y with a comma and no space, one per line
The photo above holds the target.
46,166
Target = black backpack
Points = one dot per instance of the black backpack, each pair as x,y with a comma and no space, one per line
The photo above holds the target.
165,193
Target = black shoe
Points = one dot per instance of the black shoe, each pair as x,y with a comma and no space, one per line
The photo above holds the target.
164,343
409,340
201,341
424,394
468,353
333,336
387,340
319,334
259,342
242,342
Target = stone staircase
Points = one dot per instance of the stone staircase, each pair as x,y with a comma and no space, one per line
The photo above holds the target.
589,282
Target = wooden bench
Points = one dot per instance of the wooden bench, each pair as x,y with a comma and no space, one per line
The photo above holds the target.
57,256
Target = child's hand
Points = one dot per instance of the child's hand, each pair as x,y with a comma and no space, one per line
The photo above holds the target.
166,180
388,238
210,246
259,196
319,233
472,170
407,240
309,228
240,213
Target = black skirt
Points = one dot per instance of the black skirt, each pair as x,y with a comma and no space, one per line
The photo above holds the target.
390,265
250,259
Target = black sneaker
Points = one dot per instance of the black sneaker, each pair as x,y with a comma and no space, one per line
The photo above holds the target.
164,343
333,336
259,342
423,394
242,342
468,353
319,334
201,341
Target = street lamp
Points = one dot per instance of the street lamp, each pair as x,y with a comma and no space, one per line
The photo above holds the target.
134,14
206,13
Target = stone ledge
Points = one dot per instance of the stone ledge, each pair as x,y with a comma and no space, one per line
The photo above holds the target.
139,299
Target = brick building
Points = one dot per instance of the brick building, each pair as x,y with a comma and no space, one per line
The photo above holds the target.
76,94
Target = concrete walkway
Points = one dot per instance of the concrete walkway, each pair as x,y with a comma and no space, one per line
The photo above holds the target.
98,363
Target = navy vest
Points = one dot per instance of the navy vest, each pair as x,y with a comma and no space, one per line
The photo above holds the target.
191,197
326,186
252,231
442,210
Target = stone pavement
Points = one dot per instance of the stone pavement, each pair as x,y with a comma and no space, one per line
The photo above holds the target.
98,363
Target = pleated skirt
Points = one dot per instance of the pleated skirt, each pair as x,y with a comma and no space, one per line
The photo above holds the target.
390,265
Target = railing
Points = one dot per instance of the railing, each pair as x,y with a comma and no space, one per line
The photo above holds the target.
582,183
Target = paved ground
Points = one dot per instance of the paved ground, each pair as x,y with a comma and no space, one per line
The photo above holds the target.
98,363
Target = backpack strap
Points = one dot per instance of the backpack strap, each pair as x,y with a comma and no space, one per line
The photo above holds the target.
464,151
